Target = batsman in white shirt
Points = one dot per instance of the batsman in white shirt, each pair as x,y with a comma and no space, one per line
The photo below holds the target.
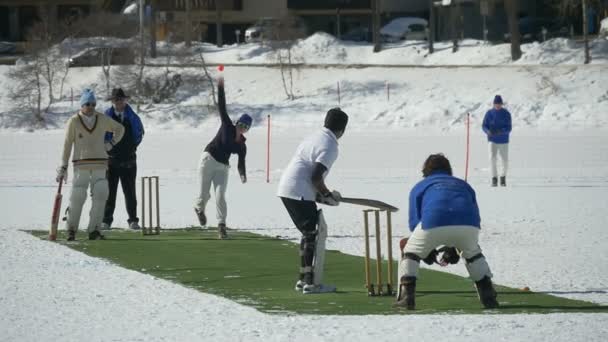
302,185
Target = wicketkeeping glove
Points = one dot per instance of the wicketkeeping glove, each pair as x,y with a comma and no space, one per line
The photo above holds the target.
431,258
450,256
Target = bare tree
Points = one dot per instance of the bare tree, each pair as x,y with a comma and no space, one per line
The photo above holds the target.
284,34
106,64
511,7
208,77
44,69
27,93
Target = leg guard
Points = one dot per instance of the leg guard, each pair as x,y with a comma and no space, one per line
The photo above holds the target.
408,269
319,259
307,253
74,210
478,267
407,293
486,293
99,195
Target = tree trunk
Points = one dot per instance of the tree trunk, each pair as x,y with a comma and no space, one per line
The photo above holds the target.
454,20
586,33
511,8
188,24
376,25
218,11
431,29
153,29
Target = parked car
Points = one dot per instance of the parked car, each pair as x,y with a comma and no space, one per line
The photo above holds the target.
405,28
358,34
261,30
8,48
265,29
604,28
531,29
94,57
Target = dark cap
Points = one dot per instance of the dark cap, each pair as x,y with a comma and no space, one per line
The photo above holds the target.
336,120
118,93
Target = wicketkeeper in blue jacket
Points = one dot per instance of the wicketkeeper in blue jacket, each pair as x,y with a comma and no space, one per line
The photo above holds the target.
497,126
443,212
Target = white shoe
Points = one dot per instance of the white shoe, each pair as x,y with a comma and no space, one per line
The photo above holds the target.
104,226
299,285
318,288
134,225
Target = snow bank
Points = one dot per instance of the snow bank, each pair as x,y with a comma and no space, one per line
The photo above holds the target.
323,48
564,97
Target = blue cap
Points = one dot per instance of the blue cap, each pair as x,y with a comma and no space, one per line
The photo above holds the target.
88,96
245,119
497,99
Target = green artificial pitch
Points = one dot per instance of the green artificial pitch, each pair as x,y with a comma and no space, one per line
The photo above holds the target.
261,272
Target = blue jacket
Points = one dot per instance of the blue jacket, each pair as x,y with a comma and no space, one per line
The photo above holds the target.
497,125
137,128
124,152
443,200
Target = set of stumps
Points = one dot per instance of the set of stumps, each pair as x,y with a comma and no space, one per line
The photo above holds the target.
378,289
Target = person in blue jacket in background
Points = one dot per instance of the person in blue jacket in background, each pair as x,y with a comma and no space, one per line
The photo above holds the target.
122,159
497,126
443,211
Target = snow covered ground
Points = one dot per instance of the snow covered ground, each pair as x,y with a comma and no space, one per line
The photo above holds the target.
546,230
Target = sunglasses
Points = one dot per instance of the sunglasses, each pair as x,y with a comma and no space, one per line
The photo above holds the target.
90,104
243,126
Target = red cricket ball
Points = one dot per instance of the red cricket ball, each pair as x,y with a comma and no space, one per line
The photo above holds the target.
221,67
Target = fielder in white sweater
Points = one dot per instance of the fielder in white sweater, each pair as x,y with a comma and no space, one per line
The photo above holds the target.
84,135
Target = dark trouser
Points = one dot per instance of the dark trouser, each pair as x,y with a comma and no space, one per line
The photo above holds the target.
305,216
126,173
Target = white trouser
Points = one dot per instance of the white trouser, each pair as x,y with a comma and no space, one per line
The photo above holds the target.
83,180
465,238
212,171
503,150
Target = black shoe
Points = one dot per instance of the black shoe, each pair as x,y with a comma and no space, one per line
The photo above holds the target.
486,293
407,293
221,230
96,235
71,235
503,181
202,219
494,181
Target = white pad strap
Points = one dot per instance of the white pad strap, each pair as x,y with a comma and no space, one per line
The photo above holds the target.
319,259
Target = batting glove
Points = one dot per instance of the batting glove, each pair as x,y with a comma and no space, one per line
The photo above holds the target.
62,173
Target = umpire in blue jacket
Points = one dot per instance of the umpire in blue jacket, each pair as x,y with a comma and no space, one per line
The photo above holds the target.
443,212
122,159
497,126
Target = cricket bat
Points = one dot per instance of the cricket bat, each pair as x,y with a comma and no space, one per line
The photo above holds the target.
56,211
369,203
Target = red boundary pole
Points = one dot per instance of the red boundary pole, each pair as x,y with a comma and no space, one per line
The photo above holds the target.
268,152
466,170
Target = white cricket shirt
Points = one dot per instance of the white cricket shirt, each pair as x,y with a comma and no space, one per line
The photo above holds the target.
296,183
